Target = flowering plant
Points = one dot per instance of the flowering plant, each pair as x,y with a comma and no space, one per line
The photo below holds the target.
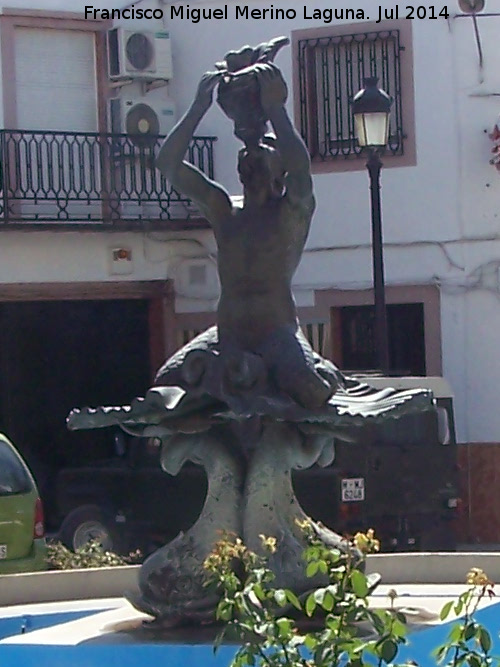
330,625
333,625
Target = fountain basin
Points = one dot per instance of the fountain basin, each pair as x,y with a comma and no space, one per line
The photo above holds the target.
105,629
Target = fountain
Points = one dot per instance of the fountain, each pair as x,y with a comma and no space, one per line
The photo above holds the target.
248,399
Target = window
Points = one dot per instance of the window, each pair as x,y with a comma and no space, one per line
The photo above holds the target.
13,476
331,65
405,324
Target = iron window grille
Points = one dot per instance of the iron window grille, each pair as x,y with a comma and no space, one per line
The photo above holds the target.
331,71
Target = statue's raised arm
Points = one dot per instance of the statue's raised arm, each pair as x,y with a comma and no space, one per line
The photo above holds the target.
294,154
210,197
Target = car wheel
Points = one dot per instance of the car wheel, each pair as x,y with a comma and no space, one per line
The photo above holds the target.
86,524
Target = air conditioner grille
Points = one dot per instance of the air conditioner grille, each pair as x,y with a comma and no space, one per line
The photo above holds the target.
140,51
142,124
142,55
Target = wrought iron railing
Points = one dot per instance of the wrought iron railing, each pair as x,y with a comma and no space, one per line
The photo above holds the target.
331,72
71,178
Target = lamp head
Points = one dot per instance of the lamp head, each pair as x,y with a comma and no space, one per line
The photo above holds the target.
371,108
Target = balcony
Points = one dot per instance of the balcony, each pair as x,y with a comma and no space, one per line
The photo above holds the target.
75,180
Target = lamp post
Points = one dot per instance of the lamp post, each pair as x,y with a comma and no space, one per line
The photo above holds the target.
371,109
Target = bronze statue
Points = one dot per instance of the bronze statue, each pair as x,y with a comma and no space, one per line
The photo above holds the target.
259,244
254,367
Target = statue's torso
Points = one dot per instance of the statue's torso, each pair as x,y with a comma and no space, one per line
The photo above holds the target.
259,251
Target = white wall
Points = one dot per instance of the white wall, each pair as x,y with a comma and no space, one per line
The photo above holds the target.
38,257
477,107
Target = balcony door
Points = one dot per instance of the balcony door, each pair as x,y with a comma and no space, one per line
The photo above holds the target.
57,173
55,80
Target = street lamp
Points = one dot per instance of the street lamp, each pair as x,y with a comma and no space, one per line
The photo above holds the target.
371,109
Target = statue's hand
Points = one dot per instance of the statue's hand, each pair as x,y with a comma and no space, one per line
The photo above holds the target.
206,87
273,89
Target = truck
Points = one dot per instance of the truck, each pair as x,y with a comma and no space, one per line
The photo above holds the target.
401,479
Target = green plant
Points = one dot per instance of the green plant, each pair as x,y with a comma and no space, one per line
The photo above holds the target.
91,555
333,624
269,621
468,642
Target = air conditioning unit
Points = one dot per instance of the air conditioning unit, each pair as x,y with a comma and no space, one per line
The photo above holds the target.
142,121
137,54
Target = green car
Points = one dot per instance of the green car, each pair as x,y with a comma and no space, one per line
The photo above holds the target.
22,541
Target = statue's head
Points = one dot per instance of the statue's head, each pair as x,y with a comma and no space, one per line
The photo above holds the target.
239,92
261,169
239,98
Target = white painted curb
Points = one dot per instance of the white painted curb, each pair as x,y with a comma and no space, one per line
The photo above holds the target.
432,568
111,582
57,585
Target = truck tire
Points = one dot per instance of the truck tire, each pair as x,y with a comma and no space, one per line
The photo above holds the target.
87,523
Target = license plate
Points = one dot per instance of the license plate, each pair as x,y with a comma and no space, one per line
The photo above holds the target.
3,551
353,489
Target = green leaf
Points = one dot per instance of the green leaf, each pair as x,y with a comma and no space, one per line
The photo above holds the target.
388,650
401,617
446,610
458,607
359,584
250,658
259,592
310,642
218,640
484,639
242,659
311,553
224,611
312,569
441,653
319,596
455,633
253,600
310,605
399,629
332,622
323,567
470,631
328,601
280,597
474,660
293,599
319,654
378,623
284,627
